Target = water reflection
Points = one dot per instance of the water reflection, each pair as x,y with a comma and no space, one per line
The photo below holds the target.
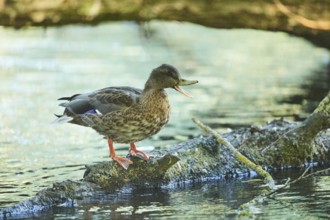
308,199
216,199
246,77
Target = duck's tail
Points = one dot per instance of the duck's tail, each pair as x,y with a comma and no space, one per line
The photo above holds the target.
61,119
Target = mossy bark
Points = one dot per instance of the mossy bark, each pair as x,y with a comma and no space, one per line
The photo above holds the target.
259,14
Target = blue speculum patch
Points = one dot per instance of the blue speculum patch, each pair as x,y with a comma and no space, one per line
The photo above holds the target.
92,111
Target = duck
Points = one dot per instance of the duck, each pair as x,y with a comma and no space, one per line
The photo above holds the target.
126,114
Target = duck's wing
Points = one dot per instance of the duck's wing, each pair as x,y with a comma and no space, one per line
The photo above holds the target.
99,102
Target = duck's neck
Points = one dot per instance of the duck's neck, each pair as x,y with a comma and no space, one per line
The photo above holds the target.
154,98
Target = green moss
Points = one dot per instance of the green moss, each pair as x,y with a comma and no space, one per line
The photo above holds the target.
324,106
110,176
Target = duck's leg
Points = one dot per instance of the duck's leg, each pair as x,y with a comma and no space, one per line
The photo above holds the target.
123,162
135,152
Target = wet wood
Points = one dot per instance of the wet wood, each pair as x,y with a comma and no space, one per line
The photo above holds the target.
237,155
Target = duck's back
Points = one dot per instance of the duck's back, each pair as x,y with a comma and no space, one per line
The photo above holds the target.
78,107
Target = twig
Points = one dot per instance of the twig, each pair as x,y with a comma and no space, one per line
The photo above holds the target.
287,183
302,176
237,154
246,206
311,174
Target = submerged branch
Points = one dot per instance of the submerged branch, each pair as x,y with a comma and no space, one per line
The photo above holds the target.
245,209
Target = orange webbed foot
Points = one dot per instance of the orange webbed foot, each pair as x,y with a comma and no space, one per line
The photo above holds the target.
137,153
123,162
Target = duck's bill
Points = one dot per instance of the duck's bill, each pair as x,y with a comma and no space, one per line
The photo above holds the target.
184,82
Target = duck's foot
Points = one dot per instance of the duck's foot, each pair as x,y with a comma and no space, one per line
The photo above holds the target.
123,162
137,153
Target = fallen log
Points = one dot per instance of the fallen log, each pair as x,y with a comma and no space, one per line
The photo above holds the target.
277,144
309,19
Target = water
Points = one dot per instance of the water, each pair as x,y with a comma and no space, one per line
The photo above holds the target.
203,201
307,199
245,77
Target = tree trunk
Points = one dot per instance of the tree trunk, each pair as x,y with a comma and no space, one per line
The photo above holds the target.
310,18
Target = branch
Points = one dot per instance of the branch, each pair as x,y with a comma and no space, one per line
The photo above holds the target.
289,182
318,25
240,157
246,208
218,14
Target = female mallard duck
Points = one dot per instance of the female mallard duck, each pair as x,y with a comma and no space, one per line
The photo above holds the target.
126,114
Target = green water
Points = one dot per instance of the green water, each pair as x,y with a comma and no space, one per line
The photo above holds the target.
245,77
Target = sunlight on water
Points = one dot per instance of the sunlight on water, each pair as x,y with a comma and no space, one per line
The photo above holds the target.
245,77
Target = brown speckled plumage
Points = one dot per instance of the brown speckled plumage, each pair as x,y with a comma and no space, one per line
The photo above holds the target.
136,122
126,114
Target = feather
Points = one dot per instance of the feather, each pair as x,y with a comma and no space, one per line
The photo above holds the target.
62,119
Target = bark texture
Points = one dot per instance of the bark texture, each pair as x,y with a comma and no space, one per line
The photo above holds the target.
309,18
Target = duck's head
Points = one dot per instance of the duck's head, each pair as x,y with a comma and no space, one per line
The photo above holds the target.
167,76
